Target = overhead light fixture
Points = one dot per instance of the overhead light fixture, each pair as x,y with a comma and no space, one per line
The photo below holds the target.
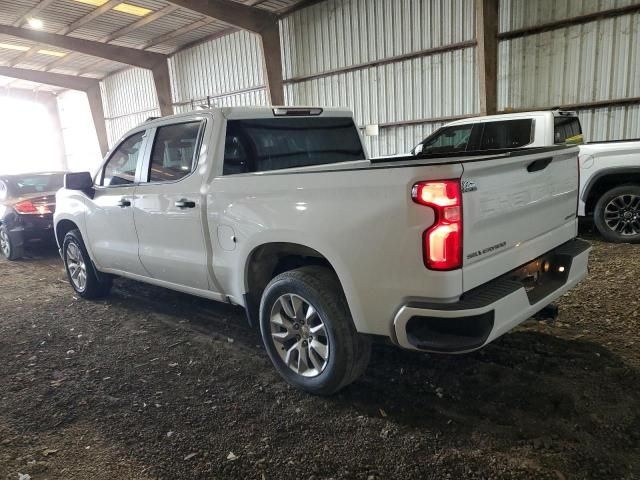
52,53
10,46
35,23
132,9
97,3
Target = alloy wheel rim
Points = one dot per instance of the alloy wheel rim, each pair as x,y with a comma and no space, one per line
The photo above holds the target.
77,267
5,246
300,335
622,215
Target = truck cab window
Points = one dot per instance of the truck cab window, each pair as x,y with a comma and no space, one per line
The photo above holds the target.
448,140
174,151
506,134
276,143
121,167
567,130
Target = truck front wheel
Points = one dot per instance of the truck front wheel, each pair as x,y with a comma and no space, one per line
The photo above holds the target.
617,214
83,276
308,332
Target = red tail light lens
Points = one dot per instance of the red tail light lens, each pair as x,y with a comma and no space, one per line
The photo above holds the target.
27,207
442,242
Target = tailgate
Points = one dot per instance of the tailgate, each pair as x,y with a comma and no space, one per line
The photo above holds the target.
516,208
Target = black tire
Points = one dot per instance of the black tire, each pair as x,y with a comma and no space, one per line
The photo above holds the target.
10,251
97,285
349,351
601,210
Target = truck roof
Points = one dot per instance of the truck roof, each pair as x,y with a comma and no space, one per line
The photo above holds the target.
511,116
239,113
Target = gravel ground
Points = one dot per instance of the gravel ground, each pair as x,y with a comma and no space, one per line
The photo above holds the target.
152,384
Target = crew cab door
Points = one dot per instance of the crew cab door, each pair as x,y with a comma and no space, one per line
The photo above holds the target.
110,229
169,206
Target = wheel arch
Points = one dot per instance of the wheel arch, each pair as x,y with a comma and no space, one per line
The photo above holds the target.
63,227
268,260
605,180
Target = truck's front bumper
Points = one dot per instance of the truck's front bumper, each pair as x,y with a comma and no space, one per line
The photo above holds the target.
484,313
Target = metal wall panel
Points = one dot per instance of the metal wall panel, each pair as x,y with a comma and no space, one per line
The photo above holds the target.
595,61
400,139
612,123
129,97
340,33
598,60
516,14
219,67
436,86
256,97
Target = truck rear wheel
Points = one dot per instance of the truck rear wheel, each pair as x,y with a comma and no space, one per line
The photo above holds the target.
308,332
617,214
83,276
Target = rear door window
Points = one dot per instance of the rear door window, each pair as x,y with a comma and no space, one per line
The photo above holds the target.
506,134
174,151
567,130
261,145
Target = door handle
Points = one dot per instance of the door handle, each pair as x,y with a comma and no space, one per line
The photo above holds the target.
184,203
539,165
124,203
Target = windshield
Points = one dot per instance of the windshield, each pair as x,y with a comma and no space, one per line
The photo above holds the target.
31,184
275,143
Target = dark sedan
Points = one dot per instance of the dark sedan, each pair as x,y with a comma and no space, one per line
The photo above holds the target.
27,203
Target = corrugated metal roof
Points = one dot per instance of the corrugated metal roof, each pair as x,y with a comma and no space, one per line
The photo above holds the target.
62,13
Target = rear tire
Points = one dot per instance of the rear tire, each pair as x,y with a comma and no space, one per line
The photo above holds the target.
617,214
304,314
8,247
82,274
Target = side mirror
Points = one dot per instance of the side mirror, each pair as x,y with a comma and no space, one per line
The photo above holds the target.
417,150
81,181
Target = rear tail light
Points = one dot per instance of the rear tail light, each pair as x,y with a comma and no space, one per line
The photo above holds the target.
27,207
442,241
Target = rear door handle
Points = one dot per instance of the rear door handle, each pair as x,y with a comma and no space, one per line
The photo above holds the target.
124,203
184,203
539,165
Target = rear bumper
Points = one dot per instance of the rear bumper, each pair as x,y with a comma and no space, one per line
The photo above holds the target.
489,311
26,229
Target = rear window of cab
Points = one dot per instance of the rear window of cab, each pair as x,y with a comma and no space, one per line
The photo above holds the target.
260,145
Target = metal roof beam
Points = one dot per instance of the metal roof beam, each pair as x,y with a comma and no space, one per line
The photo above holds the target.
248,18
57,79
130,56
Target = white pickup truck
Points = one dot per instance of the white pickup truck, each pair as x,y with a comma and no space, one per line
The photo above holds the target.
609,171
280,211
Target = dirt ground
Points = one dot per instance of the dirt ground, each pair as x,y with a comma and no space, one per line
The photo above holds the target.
152,384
